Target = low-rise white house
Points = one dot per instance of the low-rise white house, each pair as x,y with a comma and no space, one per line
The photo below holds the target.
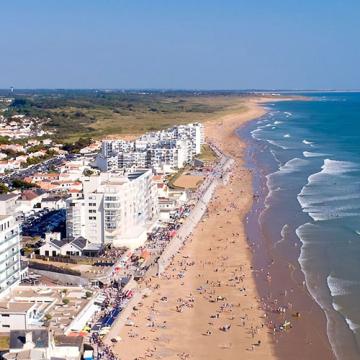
55,246
29,199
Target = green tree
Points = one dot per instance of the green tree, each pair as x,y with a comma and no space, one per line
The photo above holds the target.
21,184
66,301
3,189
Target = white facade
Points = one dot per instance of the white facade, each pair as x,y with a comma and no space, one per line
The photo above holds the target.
115,209
9,244
14,316
172,148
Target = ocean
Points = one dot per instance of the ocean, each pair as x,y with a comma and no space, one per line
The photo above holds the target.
309,156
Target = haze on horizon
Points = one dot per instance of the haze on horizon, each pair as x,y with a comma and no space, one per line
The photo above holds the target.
205,44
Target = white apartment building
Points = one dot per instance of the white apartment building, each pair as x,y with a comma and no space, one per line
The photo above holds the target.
116,208
9,244
170,148
174,154
112,147
195,132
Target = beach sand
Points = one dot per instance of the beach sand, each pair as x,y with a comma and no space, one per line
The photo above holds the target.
210,284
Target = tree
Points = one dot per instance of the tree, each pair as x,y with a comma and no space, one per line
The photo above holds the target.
4,140
88,294
66,301
35,148
21,184
77,145
3,189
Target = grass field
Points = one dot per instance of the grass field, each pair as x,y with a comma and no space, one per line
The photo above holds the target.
98,114
207,153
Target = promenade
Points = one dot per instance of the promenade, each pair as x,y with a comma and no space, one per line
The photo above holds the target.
204,195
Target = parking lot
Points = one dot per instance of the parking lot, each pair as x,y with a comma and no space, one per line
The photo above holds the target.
44,221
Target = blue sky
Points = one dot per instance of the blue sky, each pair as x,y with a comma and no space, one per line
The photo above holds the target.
203,44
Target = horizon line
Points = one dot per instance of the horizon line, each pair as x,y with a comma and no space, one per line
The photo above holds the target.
178,89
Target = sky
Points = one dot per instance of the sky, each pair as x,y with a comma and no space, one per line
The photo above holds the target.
180,44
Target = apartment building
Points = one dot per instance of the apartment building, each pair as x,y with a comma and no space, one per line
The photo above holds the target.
116,208
171,148
9,244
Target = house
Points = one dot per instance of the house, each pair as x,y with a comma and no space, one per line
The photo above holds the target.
67,185
45,176
53,203
46,185
53,246
16,315
30,199
40,344
68,347
75,247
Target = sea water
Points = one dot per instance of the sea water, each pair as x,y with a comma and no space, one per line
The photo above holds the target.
313,196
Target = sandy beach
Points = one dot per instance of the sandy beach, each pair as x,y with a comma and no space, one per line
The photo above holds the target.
206,305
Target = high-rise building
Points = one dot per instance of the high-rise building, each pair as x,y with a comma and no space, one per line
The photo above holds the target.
115,209
9,244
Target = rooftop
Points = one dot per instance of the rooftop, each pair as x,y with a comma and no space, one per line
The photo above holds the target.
63,340
4,197
40,338
15,307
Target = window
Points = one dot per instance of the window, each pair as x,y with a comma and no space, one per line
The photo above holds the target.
110,198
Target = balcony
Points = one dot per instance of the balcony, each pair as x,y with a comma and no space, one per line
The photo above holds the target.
10,245
8,237
8,257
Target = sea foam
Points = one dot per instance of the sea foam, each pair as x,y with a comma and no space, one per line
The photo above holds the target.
313,154
327,193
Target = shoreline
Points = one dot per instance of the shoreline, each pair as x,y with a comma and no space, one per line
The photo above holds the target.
211,280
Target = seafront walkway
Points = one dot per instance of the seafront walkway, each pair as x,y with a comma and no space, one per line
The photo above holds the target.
121,320
204,194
